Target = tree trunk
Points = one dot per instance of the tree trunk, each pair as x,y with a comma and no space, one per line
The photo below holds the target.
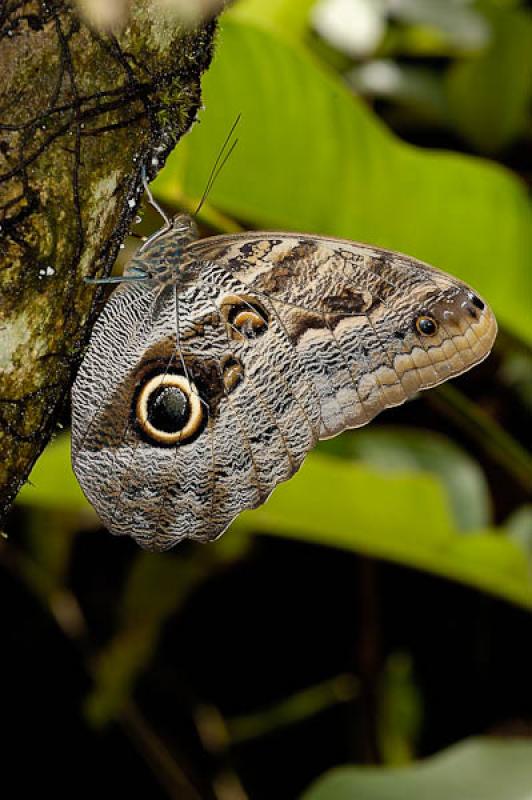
80,113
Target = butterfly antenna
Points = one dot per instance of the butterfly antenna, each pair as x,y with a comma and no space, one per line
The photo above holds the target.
219,164
222,164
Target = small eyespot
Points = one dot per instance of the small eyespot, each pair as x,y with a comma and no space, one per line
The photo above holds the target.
248,322
426,326
233,373
168,409
245,316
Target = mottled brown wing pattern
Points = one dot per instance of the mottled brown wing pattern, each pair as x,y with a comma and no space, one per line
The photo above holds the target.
260,419
351,312
206,385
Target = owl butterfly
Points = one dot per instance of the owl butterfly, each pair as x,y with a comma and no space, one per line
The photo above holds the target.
219,363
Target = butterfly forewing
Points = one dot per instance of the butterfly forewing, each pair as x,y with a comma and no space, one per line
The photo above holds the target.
352,314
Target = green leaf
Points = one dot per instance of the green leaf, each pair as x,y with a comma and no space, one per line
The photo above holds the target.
313,157
477,769
402,517
489,96
410,450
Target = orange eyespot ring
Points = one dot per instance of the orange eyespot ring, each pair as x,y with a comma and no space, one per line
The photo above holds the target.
245,316
169,410
426,326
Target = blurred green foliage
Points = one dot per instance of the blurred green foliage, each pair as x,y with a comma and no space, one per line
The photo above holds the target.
316,156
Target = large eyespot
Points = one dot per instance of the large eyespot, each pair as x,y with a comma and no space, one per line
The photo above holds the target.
426,326
245,316
168,409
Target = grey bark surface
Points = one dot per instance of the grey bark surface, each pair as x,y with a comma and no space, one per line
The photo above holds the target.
80,113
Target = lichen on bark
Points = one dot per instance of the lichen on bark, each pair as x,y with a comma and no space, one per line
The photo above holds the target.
81,113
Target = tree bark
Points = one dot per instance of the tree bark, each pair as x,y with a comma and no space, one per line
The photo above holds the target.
81,112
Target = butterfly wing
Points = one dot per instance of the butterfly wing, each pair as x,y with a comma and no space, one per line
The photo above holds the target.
352,315
195,400
255,420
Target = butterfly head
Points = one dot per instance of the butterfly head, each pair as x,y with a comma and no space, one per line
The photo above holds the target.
184,228
160,258
180,232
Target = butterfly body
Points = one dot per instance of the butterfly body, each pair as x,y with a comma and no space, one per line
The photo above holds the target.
212,374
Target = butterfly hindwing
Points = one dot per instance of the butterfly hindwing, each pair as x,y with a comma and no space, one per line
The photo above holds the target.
260,419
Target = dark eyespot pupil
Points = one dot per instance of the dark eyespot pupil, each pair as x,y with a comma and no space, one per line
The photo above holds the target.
477,302
427,326
168,409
